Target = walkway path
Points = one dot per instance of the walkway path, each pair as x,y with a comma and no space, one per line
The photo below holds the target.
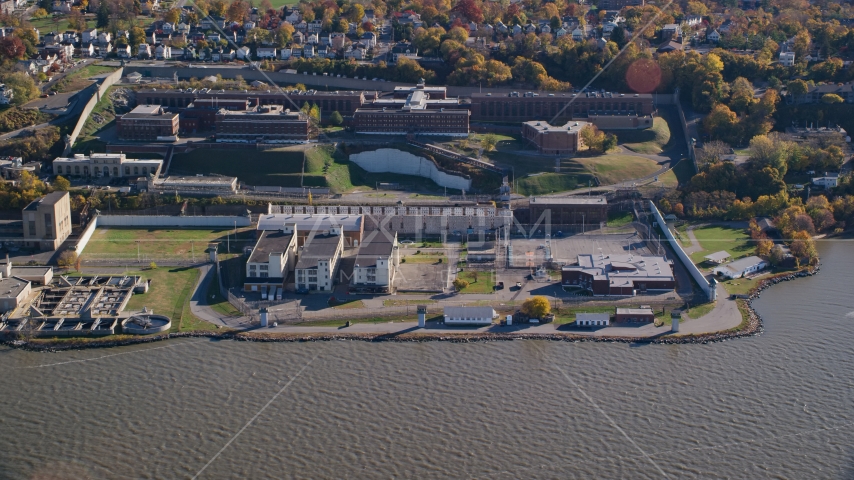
724,316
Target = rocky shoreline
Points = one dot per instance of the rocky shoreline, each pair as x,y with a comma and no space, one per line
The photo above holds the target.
753,326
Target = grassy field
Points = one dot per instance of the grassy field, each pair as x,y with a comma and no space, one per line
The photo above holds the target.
650,141
546,183
217,302
403,303
698,311
426,258
618,168
485,282
714,239
106,110
151,244
342,176
277,168
169,295
618,219
79,79
277,4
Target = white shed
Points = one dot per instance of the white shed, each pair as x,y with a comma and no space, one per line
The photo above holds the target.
592,319
469,315
741,268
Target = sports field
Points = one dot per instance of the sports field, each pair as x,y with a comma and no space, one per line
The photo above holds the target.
151,245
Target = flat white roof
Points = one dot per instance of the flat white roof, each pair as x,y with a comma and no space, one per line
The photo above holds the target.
743,264
574,200
306,222
717,256
592,316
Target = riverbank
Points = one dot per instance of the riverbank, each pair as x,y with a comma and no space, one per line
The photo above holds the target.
751,325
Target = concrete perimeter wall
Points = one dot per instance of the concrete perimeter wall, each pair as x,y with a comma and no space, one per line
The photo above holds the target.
86,235
108,82
395,161
695,272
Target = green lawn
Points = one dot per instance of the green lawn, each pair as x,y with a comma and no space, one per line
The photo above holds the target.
619,219
277,4
403,303
618,168
282,168
169,294
217,302
698,311
343,176
127,243
485,282
543,183
426,258
650,141
714,239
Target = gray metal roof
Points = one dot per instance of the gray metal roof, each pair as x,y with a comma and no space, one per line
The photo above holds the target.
469,312
317,248
270,241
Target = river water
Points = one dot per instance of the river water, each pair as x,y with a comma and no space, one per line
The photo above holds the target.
778,405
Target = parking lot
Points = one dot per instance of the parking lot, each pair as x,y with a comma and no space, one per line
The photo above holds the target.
532,252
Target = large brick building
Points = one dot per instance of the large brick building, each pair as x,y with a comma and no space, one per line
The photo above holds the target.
550,139
268,123
418,114
201,114
577,210
147,122
344,102
620,274
522,107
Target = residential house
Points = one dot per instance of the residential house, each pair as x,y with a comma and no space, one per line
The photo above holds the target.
336,40
87,50
692,20
319,259
828,181
578,34
369,39
369,16
669,46
404,49
189,53
285,53
671,31
266,52
517,29
6,95
315,26
308,51
313,39
608,27
296,52
293,17
123,51
298,37
163,52
325,52
787,59
560,32
143,51
499,25
211,22
243,53
89,35
713,36
104,37
356,52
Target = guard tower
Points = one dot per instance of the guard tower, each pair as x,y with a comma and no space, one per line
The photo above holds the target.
422,315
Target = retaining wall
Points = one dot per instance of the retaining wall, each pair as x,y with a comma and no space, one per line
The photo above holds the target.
108,82
396,161
695,272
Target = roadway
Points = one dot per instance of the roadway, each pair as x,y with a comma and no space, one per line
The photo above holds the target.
77,101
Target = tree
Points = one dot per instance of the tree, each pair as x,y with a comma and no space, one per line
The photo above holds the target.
22,85
831,98
536,307
67,259
720,123
776,255
76,21
763,247
12,48
470,10
152,266
618,36
356,13
40,13
460,284
489,141
61,183
741,95
172,16
336,118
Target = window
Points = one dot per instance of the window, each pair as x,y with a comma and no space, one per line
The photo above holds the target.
32,228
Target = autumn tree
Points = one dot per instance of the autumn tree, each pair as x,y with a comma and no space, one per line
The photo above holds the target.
61,183
536,307
173,15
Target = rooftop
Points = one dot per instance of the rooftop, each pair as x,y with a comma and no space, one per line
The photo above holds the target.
573,200
742,264
571,126
379,247
634,311
49,199
196,181
307,222
12,287
317,247
146,111
622,270
717,257
270,241
473,312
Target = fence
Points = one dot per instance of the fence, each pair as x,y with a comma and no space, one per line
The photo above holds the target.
108,82
695,272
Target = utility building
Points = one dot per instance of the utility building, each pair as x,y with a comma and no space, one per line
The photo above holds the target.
47,221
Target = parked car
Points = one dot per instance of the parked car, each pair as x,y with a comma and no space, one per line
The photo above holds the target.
518,284
499,286
302,290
